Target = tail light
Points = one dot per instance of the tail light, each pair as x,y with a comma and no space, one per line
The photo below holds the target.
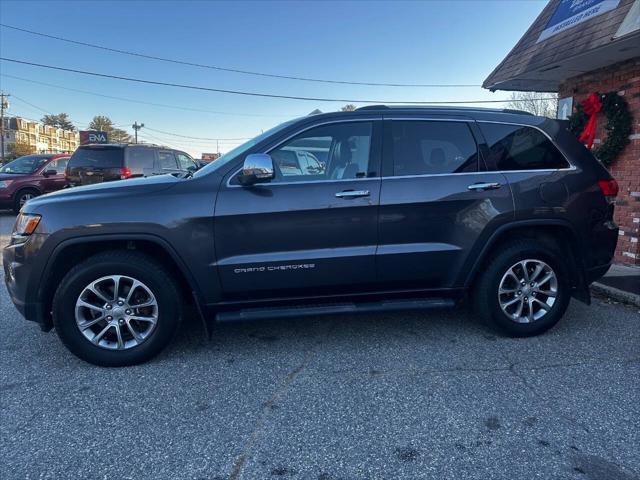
609,188
125,173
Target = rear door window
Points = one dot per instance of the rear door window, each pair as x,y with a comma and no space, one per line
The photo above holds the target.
517,147
141,160
97,157
166,161
432,148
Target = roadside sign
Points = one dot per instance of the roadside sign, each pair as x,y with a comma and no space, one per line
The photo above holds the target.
570,13
93,136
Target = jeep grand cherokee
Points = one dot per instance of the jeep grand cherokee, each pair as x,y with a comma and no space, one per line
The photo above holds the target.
411,208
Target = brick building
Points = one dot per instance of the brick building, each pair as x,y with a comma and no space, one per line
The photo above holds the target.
575,48
41,138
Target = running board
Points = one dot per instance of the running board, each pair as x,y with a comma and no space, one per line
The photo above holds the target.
332,309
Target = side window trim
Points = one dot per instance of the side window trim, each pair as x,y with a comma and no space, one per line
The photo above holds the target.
547,136
375,153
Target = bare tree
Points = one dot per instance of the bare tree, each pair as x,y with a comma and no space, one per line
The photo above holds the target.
349,107
542,104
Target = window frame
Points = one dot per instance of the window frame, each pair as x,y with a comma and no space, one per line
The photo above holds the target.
485,149
388,160
375,153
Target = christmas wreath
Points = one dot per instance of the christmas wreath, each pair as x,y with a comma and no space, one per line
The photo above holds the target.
619,124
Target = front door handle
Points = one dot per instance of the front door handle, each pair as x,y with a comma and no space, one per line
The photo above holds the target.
484,186
353,194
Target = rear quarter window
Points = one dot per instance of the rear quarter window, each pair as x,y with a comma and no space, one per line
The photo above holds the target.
103,157
516,147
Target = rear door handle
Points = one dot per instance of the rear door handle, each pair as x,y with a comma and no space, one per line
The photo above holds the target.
353,194
484,186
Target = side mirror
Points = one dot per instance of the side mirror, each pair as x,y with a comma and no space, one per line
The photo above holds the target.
257,168
50,173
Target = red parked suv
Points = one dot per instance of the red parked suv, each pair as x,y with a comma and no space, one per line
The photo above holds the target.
29,176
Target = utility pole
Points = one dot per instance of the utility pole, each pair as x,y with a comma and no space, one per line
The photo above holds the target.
137,127
4,103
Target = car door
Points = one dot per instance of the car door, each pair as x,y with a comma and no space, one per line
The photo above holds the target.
437,200
51,183
305,232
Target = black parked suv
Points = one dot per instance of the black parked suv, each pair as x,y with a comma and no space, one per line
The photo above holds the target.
404,208
107,162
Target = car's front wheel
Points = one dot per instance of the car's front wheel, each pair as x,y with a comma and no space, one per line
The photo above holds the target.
117,308
524,289
22,197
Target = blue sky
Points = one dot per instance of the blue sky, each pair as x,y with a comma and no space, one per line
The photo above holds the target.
396,42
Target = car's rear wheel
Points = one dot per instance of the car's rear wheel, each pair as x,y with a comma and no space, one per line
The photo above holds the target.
117,308
524,289
22,197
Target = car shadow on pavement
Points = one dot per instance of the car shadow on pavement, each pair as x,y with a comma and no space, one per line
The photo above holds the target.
306,332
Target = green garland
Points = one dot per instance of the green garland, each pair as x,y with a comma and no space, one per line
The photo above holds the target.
618,127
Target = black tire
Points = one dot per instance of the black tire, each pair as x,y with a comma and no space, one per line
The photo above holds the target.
485,295
117,262
19,198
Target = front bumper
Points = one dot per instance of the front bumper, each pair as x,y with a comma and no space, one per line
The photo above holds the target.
18,275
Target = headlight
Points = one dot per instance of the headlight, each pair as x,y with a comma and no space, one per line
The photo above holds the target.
5,184
25,225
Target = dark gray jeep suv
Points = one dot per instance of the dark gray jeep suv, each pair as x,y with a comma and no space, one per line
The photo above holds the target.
373,210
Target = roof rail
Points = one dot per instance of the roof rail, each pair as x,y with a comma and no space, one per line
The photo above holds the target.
373,107
444,107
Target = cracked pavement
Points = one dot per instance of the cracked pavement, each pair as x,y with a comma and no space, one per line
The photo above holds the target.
413,395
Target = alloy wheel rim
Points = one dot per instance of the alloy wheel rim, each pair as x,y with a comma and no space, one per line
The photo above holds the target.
528,291
25,198
116,312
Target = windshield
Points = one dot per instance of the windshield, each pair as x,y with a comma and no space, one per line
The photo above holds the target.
239,150
25,165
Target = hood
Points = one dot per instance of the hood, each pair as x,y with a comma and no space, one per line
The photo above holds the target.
11,176
106,190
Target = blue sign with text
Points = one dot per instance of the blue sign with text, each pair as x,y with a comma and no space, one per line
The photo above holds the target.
570,13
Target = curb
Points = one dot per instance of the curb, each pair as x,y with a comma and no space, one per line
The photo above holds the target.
617,294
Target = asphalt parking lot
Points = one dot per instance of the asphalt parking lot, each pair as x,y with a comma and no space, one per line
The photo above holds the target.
411,395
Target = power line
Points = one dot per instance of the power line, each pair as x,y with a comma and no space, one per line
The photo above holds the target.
225,140
31,104
187,143
245,93
196,138
189,109
233,70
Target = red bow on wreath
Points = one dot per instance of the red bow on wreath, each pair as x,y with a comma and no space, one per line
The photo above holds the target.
591,106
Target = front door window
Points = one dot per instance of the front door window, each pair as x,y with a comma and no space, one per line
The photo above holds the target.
338,151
